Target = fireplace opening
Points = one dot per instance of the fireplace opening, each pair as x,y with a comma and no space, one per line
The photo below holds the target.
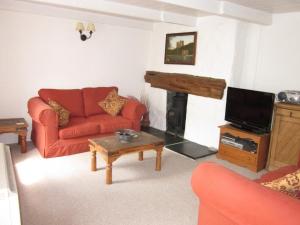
176,113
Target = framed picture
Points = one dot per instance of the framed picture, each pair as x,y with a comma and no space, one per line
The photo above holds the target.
181,48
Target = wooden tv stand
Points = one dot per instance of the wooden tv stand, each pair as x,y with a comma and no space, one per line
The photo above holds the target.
253,161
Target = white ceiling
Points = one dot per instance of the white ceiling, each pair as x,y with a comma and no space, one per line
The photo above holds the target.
184,12
158,5
273,6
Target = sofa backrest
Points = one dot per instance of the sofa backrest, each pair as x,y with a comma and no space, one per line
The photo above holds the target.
91,96
71,99
79,102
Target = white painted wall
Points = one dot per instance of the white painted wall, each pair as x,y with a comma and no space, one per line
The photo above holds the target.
46,52
278,65
215,58
39,51
246,55
270,57
247,48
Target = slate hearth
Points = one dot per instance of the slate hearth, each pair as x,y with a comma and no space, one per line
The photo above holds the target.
181,145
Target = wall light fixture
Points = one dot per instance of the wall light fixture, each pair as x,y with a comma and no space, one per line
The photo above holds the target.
90,29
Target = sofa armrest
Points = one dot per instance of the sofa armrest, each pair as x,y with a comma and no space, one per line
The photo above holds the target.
133,110
241,200
41,112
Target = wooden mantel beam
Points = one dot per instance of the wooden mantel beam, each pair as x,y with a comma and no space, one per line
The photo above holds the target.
185,83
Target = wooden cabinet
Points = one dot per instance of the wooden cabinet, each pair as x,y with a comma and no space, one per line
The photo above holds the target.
253,161
285,136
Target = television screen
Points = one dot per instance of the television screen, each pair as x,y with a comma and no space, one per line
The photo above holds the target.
249,109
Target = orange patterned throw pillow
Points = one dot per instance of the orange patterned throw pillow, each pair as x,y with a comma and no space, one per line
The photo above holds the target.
63,114
288,184
113,103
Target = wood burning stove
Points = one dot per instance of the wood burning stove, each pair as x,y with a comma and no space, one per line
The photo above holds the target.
176,113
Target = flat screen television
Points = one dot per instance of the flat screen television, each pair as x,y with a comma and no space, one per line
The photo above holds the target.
249,109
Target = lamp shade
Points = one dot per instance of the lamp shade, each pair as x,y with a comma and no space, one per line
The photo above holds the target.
91,27
80,27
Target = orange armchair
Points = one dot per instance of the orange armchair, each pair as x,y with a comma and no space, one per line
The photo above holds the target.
227,198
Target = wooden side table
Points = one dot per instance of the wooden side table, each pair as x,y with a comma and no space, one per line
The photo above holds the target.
17,126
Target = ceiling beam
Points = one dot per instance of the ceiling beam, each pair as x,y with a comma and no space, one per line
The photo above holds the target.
224,8
129,11
236,11
209,6
121,9
73,14
107,7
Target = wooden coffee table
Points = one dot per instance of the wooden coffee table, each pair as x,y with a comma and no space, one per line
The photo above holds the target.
110,148
17,126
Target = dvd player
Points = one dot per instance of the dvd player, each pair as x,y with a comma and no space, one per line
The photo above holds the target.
241,143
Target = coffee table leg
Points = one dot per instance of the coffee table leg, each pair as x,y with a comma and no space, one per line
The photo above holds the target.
158,159
22,141
93,161
108,172
141,156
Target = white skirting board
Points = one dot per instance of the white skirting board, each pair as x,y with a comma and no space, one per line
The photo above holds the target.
9,201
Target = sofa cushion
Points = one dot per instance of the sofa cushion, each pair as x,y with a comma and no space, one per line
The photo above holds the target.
288,184
110,124
113,103
93,95
78,127
62,113
70,99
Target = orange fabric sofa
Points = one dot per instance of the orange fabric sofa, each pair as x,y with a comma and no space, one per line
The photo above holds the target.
227,198
87,119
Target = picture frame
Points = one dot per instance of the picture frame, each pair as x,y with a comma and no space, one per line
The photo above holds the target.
180,48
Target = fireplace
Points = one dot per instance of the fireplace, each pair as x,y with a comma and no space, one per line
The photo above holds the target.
178,87
176,113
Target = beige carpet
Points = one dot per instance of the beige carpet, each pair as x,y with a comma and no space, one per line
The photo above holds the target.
63,191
